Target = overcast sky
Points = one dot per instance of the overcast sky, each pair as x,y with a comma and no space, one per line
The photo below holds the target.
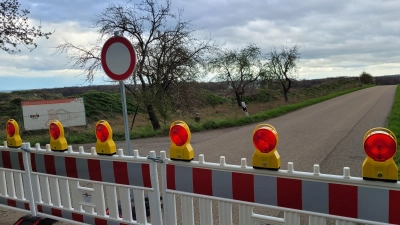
336,37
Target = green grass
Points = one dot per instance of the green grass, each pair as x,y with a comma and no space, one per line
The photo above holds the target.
394,122
88,136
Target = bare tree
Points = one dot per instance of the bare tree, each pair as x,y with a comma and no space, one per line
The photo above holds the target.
239,68
14,28
167,52
282,65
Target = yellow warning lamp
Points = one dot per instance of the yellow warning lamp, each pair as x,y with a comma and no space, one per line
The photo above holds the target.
57,139
180,149
105,145
380,145
265,140
13,138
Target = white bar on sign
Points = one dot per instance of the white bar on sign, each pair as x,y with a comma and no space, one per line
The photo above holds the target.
187,210
206,217
19,186
316,220
126,206
3,184
111,192
44,187
225,213
65,195
245,212
10,184
140,207
292,218
55,191
98,199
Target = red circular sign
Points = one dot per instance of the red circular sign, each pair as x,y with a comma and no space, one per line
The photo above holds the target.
118,58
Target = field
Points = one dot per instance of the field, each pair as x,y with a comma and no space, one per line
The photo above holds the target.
215,108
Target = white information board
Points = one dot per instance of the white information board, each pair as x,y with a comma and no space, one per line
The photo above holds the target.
39,113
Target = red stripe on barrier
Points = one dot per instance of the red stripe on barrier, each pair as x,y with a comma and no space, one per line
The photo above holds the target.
77,217
171,177
70,167
121,172
243,187
289,193
49,164
394,206
12,203
99,221
146,175
21,161
94,169
343,200
27,207
40,208
33,162
56,212
202,181
5,155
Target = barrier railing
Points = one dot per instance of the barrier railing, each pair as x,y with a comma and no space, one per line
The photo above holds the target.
70,185
84,188
346,199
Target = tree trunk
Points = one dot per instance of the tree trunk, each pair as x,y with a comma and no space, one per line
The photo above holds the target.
153,117
238,99
285,92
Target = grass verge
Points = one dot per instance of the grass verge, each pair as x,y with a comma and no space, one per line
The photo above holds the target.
394,122
88,136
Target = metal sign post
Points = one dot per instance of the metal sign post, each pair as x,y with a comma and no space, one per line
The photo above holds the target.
118,59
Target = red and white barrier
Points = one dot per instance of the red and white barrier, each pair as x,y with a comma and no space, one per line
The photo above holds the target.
84,188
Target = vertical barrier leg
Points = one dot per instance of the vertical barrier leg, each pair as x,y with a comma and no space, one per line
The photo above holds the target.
225,213
316,220
65,195
3,186
187,210
168,199
27,179
154,196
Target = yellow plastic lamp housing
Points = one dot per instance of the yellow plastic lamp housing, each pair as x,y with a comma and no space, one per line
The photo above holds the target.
380,146
265,140
57,139
180,135
105,145
13,138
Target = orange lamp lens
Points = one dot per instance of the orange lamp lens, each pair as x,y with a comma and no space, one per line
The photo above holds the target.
54,131
10,129
380,147
102,132
264,140
178,135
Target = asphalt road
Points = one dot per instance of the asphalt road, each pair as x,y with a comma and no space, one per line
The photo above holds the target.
329,134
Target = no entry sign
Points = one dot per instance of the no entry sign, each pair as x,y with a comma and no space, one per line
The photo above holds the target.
118,58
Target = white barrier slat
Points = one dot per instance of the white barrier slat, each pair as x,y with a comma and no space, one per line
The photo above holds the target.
187,210
206,216
292,218
37,195
44,187
98,199
245,212
126,206
76,195
19,186
140,206
65,195
55,191
170,209
225,213
155,208
340,222
10,184
111,192
316,220
3,184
